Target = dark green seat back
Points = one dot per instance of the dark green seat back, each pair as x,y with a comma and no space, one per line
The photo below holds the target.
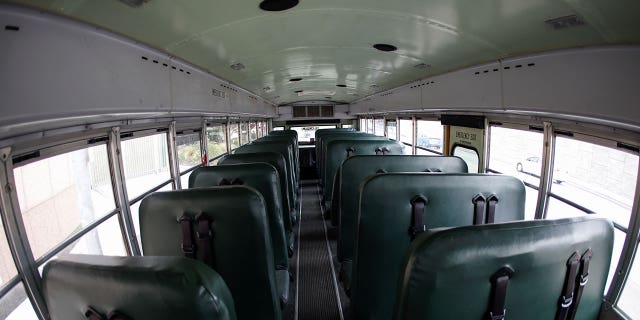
137,287
241,242
323,136
340,136
282,147
322,132
384,218
337,152
294,148
278,161
262,177
447,272
353,172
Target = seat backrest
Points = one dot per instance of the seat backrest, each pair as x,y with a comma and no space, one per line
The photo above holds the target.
322,135
338,151
385,218
241,245
293,141
353,172
135,288
275,159
262,177
446,266
282,147
342,136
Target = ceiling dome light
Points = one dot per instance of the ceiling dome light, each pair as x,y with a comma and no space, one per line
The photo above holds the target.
295,79
277,5
385,47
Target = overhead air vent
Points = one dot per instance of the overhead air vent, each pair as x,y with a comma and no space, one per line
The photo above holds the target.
315,111
237,66
565,22
295,79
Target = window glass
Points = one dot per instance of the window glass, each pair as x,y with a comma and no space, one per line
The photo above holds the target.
406,131
347,126
253,131
278,128
259,129
243,133
146,163
60,195
234,135
598,178
378,127
105,239
216,144
363,125
631,293
429,135
16,306
517,153
370,126
469,156
7,268
189,151
305,134
135,213
391,130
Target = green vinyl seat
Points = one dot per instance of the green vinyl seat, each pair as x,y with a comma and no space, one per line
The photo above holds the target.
340,150
293,141
264,178
327,139
386,220
450,273
278,161
76,286
282,147
323,134
354,171
320,133
239,240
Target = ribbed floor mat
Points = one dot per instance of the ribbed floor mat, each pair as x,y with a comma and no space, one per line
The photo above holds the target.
316,288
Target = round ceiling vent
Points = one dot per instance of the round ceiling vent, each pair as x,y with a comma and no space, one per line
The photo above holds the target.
385,47
277,5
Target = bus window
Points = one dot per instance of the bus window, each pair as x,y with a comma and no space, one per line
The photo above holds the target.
14,305
278,128
392,129
518,153
370,127
592,179
430,137
631,293
253,131
406,131
378,127
62,195
244,137
7,268
189,155
363,125
234,135
346,126
216,143
146,163
469,156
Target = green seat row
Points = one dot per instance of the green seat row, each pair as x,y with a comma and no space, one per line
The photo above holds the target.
240,246
354,171
264,178
339,150
448,273
386,217
79,286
